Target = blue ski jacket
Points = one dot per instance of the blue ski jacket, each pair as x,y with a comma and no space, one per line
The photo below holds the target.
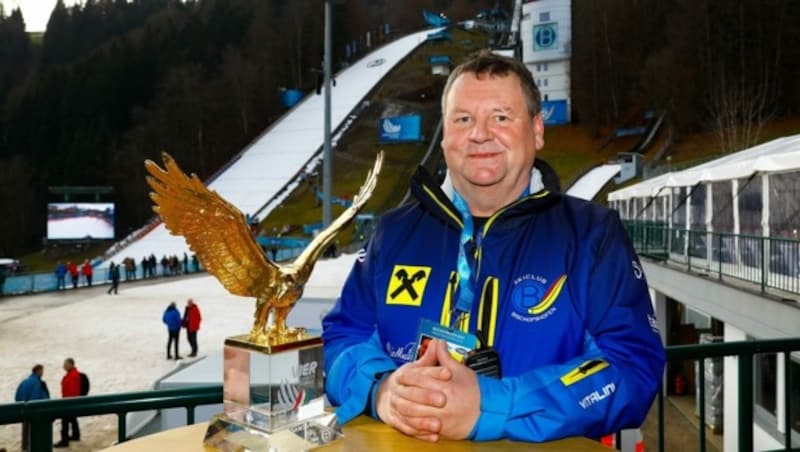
559,293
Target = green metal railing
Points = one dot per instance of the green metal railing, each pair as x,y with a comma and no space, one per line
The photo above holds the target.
768,262
744,351
40,414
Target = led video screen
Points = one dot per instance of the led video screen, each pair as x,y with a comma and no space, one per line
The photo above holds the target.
80,220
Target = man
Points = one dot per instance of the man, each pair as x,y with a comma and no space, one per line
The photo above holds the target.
191,321
61,273
31,388
70,387
88,272
548,285
172,318
113,275
73,273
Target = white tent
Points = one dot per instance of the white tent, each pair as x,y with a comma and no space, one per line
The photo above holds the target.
780,155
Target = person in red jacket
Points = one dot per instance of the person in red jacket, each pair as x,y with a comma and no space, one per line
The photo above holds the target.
70,387
191,321
73,272
87,271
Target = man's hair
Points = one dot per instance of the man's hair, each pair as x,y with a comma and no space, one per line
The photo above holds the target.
485,62
37,368
70,361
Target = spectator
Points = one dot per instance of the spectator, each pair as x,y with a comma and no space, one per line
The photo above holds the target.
172,318
191,321
2,279
185,263
195,263
113,275
73,273
31,388
70,387
61,273
87,272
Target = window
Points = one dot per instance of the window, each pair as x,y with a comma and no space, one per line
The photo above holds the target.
544,17
538,68
545,82
544,66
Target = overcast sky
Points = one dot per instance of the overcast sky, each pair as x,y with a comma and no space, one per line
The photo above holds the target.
35,12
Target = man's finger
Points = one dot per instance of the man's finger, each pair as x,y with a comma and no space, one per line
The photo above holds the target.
413,426
420,378
429,358
423,399
443,356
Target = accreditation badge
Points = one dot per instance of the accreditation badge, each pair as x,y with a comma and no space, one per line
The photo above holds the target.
459,343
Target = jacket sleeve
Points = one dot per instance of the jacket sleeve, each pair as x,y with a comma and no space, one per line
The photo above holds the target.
353,356
612,384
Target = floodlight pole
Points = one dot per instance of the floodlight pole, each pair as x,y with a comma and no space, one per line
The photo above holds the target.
326,149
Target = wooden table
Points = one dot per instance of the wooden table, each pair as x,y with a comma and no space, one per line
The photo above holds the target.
361,434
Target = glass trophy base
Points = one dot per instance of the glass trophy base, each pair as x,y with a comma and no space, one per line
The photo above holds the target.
273,398
228,434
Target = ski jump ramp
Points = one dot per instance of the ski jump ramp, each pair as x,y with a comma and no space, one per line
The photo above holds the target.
588,186
261,171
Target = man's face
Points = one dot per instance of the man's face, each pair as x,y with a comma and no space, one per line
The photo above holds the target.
490,140
67,365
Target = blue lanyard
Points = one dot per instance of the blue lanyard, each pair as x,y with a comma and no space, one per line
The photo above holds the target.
464,265
466,259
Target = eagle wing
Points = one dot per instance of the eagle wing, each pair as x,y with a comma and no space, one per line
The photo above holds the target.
305,261
214,229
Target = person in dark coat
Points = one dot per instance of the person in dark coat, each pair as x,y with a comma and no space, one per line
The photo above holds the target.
113,275
31,388
172,318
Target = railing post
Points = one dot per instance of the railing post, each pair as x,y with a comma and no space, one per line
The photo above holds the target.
701,374
764,262
41,434
745,401
719,255
122,427
189,414
787,396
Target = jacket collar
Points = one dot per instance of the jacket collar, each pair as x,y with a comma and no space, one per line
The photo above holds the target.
438,199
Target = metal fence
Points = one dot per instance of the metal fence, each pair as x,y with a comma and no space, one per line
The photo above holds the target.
769,262
41,414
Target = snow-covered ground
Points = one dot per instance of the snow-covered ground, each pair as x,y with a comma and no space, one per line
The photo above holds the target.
79,227
119,340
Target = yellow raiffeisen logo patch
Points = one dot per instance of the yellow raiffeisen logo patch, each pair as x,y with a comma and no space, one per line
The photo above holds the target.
584,370
407,285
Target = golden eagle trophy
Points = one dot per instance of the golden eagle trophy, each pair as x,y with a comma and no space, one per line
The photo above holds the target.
273,387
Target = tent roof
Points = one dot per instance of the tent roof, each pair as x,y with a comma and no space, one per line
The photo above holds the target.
780,155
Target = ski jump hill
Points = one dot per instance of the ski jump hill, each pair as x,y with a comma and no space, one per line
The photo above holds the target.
261,176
